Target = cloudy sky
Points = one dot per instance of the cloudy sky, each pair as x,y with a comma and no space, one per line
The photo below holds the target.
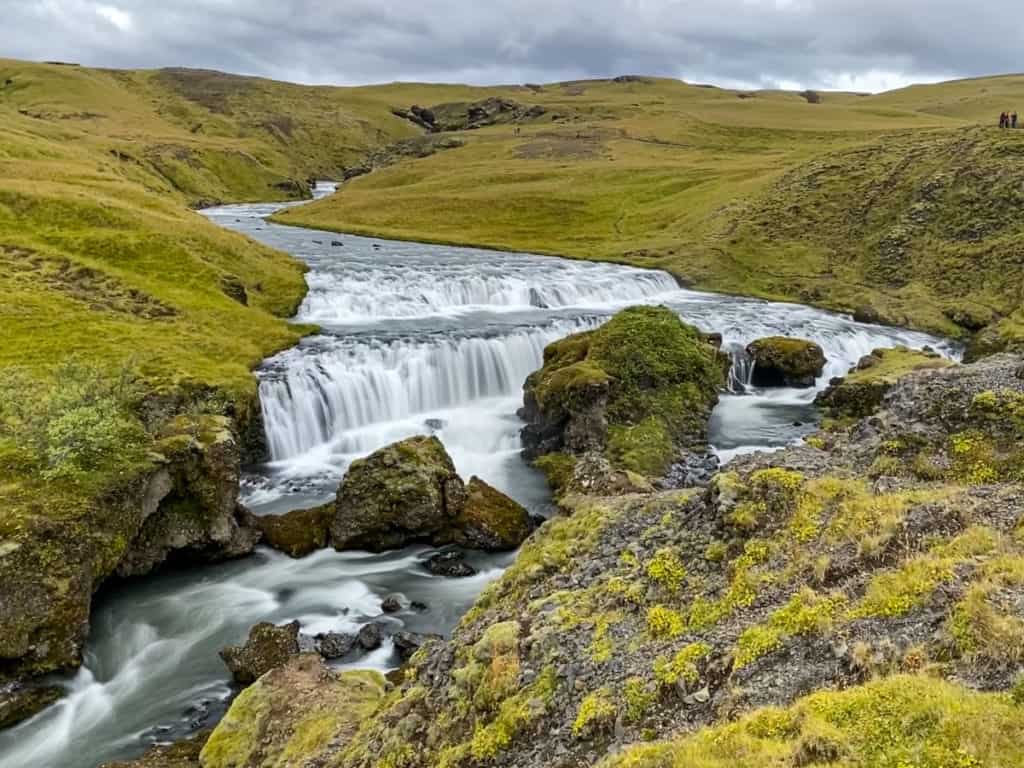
868,45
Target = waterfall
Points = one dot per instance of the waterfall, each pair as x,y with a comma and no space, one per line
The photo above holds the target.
309,399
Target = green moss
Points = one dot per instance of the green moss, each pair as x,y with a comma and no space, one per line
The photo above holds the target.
638,697
755,642
682,666
596,711
557,468
666,571
663,622
898,721
514,715
645,448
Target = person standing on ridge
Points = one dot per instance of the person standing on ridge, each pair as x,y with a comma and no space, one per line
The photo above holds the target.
1002,119
1013,120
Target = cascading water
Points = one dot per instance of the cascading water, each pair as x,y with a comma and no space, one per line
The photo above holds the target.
414,339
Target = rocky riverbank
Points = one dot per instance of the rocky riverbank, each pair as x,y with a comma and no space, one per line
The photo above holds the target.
884,559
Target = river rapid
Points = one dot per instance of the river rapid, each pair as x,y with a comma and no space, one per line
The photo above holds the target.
416,339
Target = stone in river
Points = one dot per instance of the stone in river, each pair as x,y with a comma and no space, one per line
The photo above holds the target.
267,647
370,636
450,564
391,604
334,645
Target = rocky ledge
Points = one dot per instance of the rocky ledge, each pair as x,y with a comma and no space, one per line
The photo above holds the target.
183,507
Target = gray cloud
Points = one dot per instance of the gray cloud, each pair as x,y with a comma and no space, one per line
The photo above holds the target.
865,45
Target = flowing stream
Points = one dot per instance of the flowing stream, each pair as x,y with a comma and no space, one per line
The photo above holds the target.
415,339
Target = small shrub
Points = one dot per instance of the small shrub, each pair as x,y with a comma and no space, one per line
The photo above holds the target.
664,622
667,571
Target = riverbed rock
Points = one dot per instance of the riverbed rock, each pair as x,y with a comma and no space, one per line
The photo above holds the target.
334,645
20,702
407,643
409,491
182,754
267,647
780,361
862,391
181,507
391,604
490,520
638,390
297,533
451,564
370,636
301,713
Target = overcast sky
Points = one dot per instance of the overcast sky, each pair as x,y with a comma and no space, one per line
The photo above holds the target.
868,45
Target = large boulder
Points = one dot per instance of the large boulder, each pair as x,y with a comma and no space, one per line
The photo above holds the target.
297,533
783,362
267,648
639,390
862,391
299,714
409,492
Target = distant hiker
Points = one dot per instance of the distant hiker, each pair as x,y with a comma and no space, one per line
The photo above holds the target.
1002,119
1013,120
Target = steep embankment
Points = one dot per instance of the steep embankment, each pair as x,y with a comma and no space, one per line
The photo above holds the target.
121,308
897,205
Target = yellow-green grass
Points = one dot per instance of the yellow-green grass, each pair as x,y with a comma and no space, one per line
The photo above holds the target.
766,195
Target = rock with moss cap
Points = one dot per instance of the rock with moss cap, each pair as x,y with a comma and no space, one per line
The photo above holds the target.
20,702
490,520
410,492
297,533
302,713
862,391
267,647
639,390
783,362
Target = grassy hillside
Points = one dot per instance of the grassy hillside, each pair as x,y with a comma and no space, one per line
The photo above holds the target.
897,204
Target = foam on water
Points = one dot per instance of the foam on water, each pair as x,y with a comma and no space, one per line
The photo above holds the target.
416,339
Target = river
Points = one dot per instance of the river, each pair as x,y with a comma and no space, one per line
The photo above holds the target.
415,339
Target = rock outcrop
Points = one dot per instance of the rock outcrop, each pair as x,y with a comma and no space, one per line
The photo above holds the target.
267,648
783,362
639,391
297,714
182,506
861,392
409,492
470,115
19,702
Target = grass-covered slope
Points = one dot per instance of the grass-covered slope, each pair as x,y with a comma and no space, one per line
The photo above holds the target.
897,204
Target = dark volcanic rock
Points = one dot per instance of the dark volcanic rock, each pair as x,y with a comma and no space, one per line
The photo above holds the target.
334,645
267,647
391,604
407,643
370,636
490,520
450,564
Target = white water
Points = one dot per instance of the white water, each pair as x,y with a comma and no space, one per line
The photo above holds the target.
415,339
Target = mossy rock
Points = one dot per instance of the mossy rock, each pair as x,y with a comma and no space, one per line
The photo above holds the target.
19,702
639,389
780,361
408,491
490,520
297,533
181,754
298,714
267,648
861,393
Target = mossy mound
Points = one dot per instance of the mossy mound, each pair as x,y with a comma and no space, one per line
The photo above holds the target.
639,389
297,533
298,714
783,362
861,392
409,491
